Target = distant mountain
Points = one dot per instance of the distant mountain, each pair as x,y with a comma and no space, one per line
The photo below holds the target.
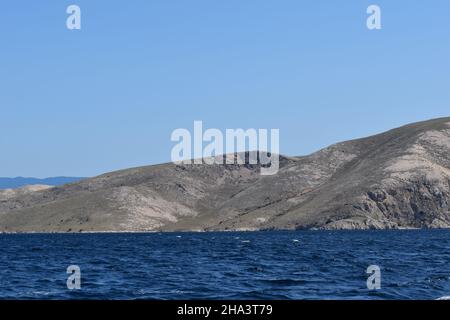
397,179
13,183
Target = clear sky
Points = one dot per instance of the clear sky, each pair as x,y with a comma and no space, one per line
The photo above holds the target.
108,96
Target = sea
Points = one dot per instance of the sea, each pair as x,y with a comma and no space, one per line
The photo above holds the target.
300,265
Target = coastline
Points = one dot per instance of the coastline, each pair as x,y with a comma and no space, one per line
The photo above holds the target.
222,231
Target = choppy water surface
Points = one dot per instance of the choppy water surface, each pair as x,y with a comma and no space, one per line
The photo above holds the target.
258,265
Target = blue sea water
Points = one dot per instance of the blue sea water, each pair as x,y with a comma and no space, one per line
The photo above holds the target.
415,264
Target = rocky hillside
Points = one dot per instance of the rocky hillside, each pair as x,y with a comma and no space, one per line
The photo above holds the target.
398,179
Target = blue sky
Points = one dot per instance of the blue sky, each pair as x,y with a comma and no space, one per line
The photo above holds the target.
108,96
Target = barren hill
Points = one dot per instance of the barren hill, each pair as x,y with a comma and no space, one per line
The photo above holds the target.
397,179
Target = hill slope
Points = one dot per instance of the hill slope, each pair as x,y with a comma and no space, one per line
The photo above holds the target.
397,179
